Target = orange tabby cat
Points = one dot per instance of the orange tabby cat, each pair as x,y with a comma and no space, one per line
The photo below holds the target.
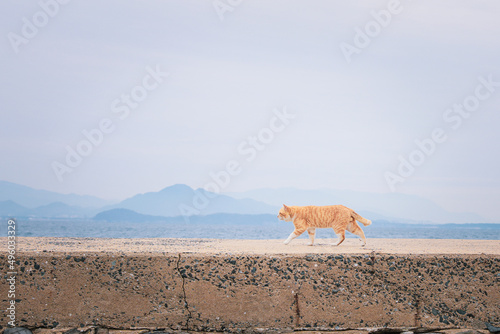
338,217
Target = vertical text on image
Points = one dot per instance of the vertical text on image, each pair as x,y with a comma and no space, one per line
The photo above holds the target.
11,274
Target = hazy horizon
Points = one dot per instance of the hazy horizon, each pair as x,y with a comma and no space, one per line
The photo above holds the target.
123,97
383,206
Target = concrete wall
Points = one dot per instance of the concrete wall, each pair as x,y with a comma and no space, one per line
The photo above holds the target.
228,292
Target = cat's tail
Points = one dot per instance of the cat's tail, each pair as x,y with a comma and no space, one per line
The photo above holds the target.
360,219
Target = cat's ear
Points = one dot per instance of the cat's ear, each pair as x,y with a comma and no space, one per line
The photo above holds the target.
286,207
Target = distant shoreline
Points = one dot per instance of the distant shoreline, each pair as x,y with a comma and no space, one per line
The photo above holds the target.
259,227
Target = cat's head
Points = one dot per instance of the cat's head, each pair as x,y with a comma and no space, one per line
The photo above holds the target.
285,214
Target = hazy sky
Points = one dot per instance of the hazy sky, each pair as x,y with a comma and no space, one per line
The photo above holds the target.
308,94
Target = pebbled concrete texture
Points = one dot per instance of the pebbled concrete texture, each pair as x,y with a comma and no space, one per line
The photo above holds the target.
227,292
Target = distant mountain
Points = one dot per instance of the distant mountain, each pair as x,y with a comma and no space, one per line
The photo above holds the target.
33,198
235,219
130,216
180,199
61,210
389,206
125,215
53,210
12,209
172,201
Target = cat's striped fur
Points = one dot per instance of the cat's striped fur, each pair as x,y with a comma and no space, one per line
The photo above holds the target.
338,217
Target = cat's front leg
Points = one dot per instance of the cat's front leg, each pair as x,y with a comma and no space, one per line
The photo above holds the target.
298,231
290,238
312,233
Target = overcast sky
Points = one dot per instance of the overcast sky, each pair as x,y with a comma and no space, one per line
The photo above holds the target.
179,90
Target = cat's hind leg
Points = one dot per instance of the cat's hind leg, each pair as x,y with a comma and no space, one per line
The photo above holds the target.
355,229
312,233
293,235
341,237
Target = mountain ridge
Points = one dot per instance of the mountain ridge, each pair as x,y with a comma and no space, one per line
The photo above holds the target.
10,208
32,198
183,200
180,199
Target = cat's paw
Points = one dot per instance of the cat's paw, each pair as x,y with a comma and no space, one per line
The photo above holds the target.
310,244
286,242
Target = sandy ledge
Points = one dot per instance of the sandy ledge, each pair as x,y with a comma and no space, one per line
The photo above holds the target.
256,247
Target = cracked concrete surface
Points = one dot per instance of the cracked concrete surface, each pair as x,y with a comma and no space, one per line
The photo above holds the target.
226,292
186,304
